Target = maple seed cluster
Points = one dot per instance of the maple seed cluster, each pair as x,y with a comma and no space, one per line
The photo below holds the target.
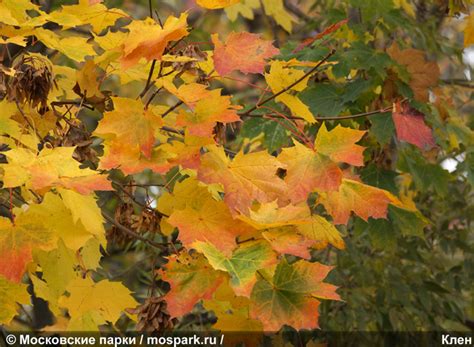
31,82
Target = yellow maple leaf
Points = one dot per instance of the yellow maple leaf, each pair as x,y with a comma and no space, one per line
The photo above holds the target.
277,10
91,304
11,294
321,232
469,30
50,168
76,48
279,78
270,215
97,15
87,80
216,4
244,8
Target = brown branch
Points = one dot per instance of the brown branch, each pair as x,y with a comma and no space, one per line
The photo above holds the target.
458,82
135,201
132,233
150,74
72,102
172,108
152,97
172,130
296,11
284,90
352,116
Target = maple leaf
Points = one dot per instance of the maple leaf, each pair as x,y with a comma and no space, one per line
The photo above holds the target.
148,40
321,232
279,78
190,93
289,296
99,302
18,240
469,30
423,74
129,159
207,112
187,153
243,51
87,80
277,10
244,8
84,208
319,172
11,294
205,219
216,4
57,268
87,12
39,227
187,190
232,312
191,279
339,144
76,48
242,265
410,126
287,240
50,168
270,215
248,178
130,123
365,201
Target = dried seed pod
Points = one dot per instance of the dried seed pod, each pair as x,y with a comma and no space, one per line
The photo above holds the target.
153,316
31,82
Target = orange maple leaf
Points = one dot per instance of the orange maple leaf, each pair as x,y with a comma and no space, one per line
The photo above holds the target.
205,219
147,39
191,279
129,123
248,178
202,118
365,201
244,51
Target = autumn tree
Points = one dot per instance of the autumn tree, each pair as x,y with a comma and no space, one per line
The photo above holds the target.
209,165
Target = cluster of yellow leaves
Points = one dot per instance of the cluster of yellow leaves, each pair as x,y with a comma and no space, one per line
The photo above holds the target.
233,8
61,238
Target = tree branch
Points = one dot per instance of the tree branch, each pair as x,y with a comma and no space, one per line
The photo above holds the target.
284,90
352,116
133,233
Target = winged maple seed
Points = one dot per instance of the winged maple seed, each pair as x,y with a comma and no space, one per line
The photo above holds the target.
231,219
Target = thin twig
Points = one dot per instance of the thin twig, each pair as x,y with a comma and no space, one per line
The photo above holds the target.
132,233
172,130
352,116
72,102
172,108
152,97
150,74
284,90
